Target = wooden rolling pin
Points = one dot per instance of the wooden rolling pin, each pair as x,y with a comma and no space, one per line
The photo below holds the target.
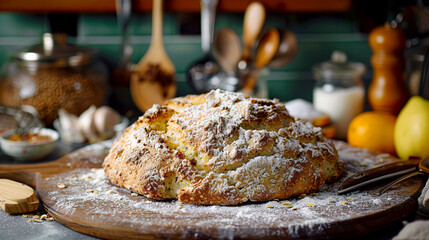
17,198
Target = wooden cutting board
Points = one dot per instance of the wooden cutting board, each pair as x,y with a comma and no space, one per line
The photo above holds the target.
90,204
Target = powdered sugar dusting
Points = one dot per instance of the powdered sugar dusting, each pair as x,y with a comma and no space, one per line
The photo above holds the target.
225,135
301,217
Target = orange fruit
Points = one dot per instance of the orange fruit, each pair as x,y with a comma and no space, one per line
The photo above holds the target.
373,130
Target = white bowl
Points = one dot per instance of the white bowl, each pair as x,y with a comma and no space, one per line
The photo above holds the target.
24,151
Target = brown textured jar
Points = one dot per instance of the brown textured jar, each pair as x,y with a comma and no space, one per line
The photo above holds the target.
54,75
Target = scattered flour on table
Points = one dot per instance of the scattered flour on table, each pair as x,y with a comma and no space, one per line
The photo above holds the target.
89,190
89,194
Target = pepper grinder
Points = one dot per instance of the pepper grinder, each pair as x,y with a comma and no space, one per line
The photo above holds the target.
388,91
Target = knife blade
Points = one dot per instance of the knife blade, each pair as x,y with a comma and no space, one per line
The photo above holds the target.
376,174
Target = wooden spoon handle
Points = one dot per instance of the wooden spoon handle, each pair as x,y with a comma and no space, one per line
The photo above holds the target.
157,24
250,81
25,173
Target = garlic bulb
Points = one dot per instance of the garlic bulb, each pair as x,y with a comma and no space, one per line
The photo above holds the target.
93,125
69,127
87,125
105,119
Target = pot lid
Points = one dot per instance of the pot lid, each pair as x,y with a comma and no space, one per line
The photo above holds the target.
338,68
55,50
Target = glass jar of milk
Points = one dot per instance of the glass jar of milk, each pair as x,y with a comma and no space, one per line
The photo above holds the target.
339,91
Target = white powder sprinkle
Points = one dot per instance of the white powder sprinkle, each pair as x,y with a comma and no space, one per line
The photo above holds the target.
313,215
254,142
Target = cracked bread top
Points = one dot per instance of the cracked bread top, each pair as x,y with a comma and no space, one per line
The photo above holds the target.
221,148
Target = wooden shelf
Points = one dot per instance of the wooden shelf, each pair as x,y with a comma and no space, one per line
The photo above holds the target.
103,6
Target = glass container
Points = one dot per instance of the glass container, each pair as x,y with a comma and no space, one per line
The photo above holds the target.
54,75
339,91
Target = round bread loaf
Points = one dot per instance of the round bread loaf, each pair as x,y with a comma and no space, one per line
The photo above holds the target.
221,148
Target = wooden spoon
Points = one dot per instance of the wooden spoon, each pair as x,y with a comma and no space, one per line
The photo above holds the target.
286,51
254,18
17,198
227,49
266,50
153,79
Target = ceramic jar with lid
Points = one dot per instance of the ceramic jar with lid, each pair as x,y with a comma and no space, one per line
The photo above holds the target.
54,75
339,91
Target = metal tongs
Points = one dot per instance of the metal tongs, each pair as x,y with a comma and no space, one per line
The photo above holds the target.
411,168
26,121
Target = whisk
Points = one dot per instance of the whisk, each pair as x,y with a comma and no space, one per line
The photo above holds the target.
26,121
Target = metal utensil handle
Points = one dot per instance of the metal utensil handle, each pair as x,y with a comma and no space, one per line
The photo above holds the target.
376,174
208,14
123,11
401,179
424,87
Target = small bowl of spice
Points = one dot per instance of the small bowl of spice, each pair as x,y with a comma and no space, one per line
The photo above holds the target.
31,146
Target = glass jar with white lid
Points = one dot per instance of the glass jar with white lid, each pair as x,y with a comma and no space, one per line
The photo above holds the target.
339,91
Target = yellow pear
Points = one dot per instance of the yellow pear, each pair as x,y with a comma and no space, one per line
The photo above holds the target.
411,134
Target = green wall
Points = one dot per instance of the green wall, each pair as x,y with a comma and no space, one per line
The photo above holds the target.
318,36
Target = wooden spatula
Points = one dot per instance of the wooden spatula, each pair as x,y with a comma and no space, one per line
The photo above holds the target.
17,198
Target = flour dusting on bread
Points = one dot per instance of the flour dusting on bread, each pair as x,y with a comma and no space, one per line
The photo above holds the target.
221,148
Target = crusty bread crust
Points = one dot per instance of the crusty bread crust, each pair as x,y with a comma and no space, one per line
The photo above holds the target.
221,148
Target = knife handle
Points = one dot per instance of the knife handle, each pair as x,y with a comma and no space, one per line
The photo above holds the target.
376,174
